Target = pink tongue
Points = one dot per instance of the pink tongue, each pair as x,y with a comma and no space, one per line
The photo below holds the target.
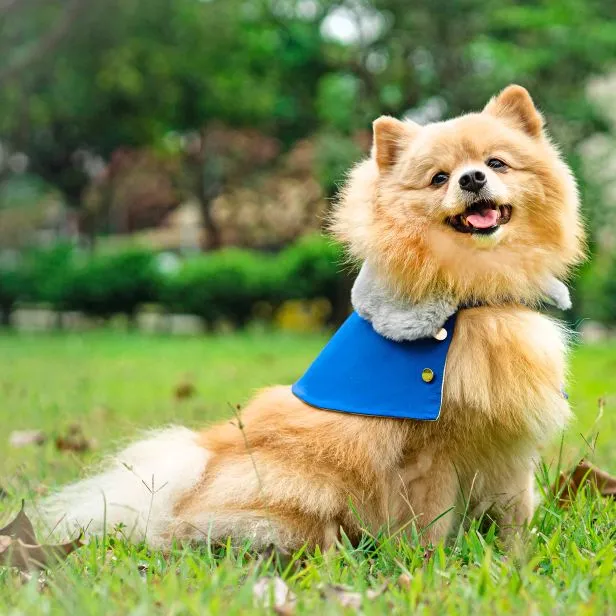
483,220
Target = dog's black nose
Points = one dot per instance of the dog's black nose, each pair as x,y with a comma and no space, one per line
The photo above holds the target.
473,181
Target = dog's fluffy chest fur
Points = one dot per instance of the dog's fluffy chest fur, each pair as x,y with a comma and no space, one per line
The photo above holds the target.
505,378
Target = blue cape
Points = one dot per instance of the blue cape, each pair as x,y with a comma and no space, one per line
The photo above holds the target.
361,372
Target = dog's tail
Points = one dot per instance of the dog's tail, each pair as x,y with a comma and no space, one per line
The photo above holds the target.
137,488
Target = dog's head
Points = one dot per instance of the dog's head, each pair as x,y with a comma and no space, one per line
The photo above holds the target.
481,207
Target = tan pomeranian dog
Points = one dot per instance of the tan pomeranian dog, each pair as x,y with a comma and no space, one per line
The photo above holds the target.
289,474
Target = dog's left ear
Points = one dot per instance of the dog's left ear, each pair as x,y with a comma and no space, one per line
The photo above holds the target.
515,104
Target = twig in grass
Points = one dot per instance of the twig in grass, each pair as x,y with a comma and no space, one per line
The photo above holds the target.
236,411
591,438
153,493
240,425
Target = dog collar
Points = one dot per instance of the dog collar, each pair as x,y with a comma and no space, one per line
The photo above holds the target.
361,372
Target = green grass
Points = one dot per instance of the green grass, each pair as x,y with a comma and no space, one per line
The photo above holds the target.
114,384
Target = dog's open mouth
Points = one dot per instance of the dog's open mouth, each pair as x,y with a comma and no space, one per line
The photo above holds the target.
482,217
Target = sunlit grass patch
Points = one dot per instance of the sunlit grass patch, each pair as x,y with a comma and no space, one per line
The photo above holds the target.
113,385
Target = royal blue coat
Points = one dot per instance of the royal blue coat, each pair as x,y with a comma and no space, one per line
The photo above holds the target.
361,372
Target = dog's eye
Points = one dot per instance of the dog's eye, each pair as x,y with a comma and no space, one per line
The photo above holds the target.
440,178
496,163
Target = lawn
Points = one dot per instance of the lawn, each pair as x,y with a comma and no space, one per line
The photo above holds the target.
113,384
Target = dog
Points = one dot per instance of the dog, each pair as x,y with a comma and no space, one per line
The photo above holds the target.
481,209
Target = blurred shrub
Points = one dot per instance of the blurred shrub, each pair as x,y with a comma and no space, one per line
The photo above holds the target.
46,274
12,283
107,284
223,285
230,284
609,293
302,285
312,268
39,276
235,284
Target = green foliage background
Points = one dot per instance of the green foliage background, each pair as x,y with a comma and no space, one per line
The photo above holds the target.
127,72
84,78
224,285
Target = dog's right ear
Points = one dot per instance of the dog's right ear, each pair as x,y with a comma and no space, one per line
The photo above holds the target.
390,136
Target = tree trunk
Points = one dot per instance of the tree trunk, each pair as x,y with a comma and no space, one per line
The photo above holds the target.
209,186
341,302
5,316
212,239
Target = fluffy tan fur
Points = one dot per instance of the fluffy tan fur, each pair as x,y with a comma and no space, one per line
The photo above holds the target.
289,474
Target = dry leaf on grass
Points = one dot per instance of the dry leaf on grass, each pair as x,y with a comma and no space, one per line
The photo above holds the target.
569,484
350,598
23,438
184,390
19,547
273,592
404,581
74,440
20,528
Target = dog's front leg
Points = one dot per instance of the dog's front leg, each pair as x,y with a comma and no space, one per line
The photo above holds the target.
429,496
517,505
509,499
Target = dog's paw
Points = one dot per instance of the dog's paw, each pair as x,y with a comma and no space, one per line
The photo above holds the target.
561,298
558,294
564,304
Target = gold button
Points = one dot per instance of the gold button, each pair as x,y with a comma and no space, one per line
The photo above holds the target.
441,334
427,375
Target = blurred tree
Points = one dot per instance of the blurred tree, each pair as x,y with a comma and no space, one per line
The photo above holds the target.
218,157
134,191
78,84
27,41
128,72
